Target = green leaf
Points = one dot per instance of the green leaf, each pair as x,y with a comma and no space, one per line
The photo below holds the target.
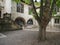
58,3
17,1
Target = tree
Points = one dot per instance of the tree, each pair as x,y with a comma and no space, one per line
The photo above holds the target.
46,10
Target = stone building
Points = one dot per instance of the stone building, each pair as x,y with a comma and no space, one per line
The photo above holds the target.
20,12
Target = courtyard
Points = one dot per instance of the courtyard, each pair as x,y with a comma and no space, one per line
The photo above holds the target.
29,37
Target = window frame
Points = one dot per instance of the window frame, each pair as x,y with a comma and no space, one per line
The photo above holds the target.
20,7
57,21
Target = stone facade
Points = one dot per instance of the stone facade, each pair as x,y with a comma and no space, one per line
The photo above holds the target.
55,21
10,7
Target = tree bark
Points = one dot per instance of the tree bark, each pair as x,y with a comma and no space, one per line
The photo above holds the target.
44,18
42,33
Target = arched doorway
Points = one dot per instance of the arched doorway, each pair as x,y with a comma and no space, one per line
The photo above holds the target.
30,22
20,21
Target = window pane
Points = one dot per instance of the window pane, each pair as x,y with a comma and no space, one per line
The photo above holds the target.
56,20
20,8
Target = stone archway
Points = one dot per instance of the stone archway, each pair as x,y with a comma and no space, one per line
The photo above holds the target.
20,21
30,22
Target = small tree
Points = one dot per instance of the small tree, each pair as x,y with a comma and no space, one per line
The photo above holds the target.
46,10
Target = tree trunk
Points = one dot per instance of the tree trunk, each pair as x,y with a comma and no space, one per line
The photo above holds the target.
42,33
44,17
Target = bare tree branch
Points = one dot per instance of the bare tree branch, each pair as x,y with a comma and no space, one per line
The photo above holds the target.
34,9
41,9
51,10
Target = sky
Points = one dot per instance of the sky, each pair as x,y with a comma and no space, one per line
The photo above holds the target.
37,0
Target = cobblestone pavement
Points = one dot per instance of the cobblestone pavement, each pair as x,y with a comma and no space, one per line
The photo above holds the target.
27,37
19,37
